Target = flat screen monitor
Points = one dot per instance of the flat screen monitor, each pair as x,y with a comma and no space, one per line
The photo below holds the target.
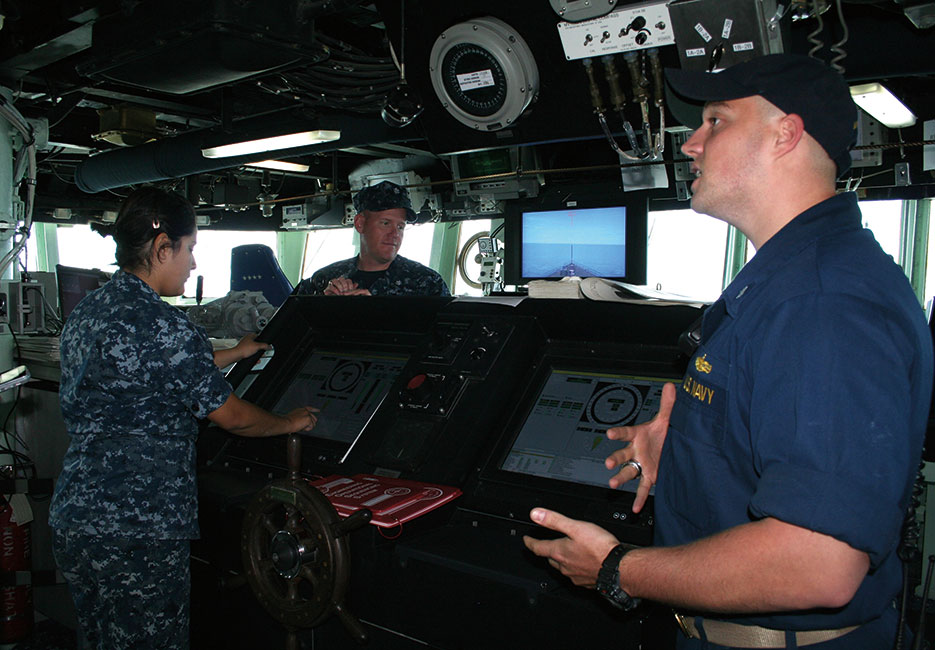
563,435
348,388
74,284
576,238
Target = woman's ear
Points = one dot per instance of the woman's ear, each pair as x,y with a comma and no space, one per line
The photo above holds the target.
161,246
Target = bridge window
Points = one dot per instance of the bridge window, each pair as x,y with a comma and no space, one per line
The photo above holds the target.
883,219
81,247
213,257
328,245
686,254
325,246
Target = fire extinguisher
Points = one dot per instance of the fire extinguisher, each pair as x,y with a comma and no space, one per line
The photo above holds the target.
16,610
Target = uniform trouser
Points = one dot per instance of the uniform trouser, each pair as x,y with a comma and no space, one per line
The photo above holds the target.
128,592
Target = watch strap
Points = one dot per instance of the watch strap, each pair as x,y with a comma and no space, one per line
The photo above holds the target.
608,579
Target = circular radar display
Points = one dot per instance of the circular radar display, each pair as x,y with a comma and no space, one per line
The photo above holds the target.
614,405
484,73
345,376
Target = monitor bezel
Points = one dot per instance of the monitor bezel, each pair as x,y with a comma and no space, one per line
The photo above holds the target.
61,270
341,353
637,212
556,361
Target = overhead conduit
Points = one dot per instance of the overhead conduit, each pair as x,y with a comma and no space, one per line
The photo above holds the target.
181,156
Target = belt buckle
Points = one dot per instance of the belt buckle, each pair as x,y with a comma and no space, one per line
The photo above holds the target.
684,625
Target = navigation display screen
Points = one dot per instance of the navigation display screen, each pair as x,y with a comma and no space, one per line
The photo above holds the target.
563,436
584,242
348,388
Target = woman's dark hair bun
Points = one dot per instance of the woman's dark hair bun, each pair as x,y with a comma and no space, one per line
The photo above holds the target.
103,229
145,214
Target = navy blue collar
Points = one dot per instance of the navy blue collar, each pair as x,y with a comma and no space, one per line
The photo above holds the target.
836,214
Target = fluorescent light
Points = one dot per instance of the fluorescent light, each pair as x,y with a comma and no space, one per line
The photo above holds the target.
281,165
288,141
882,105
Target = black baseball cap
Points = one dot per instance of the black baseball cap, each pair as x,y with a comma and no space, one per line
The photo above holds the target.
384,196
793,83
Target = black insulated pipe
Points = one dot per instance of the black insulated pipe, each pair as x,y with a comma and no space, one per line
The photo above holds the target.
181,156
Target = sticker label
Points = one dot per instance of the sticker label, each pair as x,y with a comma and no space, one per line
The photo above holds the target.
743,47
703,32
282,495
728,24
698,51
474,80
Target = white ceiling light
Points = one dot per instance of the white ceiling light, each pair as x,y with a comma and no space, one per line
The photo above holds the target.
882,105
289,141
280,165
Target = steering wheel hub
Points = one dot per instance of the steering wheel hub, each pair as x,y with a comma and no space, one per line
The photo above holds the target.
289,553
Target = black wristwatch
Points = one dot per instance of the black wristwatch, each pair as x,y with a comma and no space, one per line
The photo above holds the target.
608,580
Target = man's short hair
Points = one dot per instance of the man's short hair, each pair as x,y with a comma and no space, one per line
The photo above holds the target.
384,196
793,83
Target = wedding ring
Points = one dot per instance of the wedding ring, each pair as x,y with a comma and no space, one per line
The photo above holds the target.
636,465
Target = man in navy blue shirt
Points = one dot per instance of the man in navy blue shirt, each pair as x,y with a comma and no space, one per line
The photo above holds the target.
784,462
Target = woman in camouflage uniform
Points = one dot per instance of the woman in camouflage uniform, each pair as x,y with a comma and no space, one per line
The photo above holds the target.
137,376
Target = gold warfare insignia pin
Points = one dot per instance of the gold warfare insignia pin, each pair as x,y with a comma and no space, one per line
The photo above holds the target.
701,365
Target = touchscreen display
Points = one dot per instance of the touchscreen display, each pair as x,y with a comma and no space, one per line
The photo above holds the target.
347,387
563,435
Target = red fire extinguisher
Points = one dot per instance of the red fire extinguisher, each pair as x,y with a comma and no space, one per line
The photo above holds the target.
16,611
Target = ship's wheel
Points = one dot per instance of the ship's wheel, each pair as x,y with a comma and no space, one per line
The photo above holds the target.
296,554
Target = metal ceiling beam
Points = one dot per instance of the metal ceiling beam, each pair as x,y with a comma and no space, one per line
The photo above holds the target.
151,102
406,150
53,51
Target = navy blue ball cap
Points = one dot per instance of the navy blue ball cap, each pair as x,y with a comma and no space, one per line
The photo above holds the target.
384,196
793,83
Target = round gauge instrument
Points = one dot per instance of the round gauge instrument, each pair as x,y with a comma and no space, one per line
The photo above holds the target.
483,73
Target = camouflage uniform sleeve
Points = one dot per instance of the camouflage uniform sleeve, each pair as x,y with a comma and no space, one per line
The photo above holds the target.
307,288
432,283
407,277
190,366
315,285
442,286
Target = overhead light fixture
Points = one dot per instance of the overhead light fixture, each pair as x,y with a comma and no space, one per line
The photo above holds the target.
275,143
882,105
280,165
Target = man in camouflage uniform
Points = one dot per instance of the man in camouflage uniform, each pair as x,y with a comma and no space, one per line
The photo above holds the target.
382,213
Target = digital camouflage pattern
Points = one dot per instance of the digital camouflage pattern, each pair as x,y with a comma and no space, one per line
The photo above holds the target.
136,376
129,593
384,196
403,277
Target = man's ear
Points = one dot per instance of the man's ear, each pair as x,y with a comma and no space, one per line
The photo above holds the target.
790,131
359,222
